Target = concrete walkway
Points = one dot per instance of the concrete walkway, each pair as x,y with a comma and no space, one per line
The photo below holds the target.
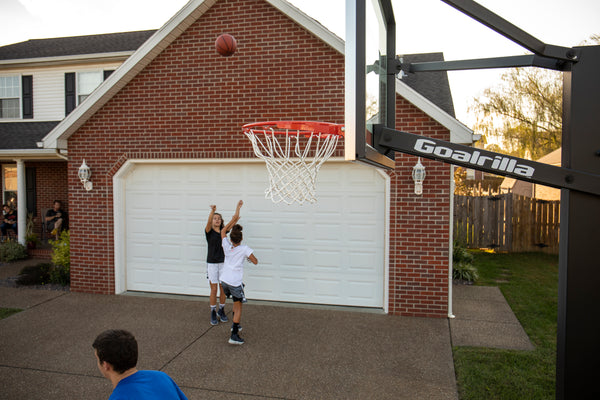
291,351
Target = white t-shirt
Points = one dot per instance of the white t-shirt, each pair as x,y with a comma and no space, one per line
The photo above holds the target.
233,267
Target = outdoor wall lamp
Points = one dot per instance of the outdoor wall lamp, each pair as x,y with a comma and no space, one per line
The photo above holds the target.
418,175
84,175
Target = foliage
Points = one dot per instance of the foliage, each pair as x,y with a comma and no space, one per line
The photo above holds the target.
463,186
61,257
524,112
61,250
529,282
30,237
464,272
7,312
12,250
35,275
462,264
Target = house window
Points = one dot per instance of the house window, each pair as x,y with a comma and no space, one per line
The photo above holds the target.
9,185
10,97
86,83
78,86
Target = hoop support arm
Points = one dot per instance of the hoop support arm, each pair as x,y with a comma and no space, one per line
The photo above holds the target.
512,32
487,161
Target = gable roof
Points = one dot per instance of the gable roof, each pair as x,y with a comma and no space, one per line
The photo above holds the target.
182,20
71,46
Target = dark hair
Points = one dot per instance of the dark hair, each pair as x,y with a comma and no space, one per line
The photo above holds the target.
118,348
236,235
57,201
222,225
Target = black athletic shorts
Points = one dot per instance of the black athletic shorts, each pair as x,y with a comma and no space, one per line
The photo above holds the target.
235,292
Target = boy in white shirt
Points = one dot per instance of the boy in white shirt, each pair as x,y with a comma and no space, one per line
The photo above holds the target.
233,270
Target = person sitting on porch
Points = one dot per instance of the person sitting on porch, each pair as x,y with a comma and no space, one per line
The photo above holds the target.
9,220
56,219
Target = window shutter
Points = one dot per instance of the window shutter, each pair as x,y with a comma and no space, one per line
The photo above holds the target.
107,73
27,96
70,94
30,185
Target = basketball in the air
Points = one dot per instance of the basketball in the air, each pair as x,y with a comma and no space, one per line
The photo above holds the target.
226,45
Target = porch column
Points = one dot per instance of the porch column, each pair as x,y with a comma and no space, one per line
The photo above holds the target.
21,202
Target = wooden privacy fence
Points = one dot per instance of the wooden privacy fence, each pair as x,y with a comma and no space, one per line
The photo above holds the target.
507,222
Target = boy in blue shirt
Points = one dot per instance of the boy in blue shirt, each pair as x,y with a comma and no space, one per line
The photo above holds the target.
117,354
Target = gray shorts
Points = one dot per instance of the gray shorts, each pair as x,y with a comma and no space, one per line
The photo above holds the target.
236,292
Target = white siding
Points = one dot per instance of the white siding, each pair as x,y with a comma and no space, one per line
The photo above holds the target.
49,88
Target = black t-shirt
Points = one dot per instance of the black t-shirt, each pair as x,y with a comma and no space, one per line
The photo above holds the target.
52,213
215,254
12,218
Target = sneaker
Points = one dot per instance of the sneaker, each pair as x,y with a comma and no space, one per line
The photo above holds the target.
235,339
213,317
54,232
221,315
239,328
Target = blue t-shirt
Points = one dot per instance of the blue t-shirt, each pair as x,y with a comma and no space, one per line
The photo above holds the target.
147,385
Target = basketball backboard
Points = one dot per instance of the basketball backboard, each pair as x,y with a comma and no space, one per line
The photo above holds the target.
370,78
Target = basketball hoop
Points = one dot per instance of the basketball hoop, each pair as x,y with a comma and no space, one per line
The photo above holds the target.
293,151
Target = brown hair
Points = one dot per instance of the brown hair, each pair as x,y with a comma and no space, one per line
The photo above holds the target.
236,235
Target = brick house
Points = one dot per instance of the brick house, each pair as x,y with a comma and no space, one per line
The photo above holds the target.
162,136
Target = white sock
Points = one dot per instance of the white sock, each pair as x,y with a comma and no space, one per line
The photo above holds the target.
221,306
213,308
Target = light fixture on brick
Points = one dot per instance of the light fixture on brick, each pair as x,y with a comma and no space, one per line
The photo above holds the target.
418,175
84,174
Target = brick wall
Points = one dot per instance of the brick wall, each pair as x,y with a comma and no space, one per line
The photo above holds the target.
419,226
51,184
190,103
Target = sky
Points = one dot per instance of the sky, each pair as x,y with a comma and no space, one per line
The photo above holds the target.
422,26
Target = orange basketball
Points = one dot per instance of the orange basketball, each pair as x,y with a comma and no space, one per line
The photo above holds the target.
226,45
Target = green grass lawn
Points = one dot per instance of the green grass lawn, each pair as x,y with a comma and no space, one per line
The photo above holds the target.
529,282
7,312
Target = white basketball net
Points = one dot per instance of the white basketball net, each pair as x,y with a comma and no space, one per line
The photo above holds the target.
292,169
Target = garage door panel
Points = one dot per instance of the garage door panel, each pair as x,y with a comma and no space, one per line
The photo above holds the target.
361,290
318,253
140,201
294,287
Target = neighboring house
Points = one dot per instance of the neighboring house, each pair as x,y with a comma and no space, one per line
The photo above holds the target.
534,190
42,81
162,136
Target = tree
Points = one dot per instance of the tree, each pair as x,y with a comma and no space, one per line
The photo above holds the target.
523,113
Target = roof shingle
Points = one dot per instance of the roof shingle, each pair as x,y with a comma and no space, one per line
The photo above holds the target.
23,135
76,45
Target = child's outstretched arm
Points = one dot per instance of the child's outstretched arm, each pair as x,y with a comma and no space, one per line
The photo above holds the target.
234,220
213,209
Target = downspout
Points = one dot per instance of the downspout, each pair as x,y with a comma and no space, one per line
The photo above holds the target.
451,242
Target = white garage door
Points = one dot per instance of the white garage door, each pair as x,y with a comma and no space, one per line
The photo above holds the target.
331,252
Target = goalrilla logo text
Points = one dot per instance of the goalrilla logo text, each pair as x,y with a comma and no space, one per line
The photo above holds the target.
499,163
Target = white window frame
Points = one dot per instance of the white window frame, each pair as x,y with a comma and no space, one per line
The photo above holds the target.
78,84
19,98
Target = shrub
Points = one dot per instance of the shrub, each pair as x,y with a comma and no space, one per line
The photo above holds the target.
12,251
61,257
464,272
35,275
461,254
462,264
